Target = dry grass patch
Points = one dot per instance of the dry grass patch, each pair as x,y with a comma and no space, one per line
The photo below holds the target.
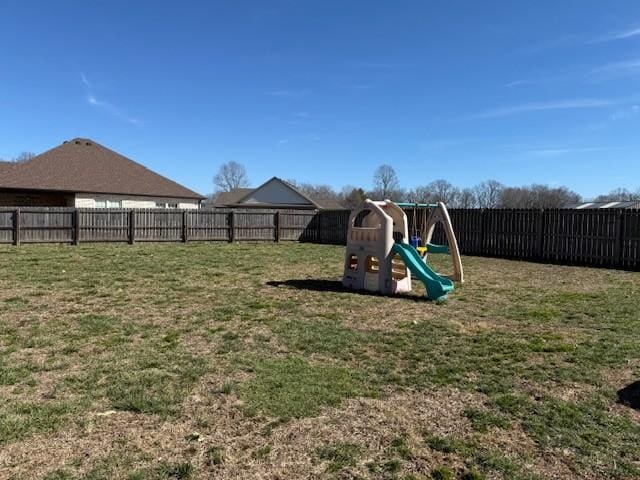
236,361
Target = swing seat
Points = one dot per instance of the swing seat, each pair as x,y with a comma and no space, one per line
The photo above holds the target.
433,248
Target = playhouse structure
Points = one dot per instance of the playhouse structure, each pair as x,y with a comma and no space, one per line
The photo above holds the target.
380,257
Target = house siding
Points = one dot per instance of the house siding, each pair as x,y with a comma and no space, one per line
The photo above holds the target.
27,198
88,200
276,193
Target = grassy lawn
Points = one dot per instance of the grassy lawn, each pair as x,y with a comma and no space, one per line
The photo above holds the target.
250,361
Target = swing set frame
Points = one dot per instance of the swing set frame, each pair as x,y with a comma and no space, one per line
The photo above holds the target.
431,214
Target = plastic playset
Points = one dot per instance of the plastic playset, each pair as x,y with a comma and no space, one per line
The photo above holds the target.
381,257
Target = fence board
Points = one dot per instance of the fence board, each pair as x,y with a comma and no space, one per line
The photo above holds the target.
298,225
158,225
46,225
254,226
103,225
208,225
6,225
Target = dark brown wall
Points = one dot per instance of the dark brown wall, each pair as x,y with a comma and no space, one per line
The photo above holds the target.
29,198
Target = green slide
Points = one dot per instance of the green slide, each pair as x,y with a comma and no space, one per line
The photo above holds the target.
436,285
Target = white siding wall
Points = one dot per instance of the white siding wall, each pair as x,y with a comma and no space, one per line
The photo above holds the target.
88,200
276,192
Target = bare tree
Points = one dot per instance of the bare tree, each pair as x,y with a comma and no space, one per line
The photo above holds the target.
443,191
466,199
436,191
317,191
619,195
418,195
537,196
385,182
230,176
488,193
20,158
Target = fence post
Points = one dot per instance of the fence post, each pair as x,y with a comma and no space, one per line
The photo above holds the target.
76,227
617,254
276,224
16,227
320,226
132,227
482,229
540,234
184,226
232,222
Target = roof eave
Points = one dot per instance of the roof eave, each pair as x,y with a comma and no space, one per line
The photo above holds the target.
94,192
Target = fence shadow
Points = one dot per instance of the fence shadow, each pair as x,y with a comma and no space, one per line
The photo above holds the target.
630,395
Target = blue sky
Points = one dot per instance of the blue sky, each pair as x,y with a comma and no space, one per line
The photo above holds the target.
324,92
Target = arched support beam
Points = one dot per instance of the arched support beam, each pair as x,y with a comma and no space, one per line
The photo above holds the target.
441,214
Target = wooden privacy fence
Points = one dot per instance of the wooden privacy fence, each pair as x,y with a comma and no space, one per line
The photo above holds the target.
603,237
596,237
70,225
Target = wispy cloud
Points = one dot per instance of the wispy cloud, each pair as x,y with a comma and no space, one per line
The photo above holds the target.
568,104
619,35
519,83
108,107
618,68
626,113
582,74
558,152
112,110
572,40
85,81
299,139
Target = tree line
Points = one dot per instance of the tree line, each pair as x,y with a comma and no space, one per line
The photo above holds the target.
486,194
386,185
20,158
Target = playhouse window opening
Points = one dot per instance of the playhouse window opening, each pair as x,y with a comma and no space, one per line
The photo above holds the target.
398,268
353,262
359,220
373,266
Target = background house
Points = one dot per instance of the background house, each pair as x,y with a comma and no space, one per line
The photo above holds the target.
592,205
82,173
274,193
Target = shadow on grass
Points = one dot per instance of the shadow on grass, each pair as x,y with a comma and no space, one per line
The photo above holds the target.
335,286
315,285
630,395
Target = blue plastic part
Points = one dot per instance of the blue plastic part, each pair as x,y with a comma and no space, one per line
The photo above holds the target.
437,286
433,248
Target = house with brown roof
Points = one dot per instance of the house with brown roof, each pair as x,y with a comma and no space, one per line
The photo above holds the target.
274,193
84,174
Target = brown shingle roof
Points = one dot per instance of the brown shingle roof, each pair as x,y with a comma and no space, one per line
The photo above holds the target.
230,198
82,165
